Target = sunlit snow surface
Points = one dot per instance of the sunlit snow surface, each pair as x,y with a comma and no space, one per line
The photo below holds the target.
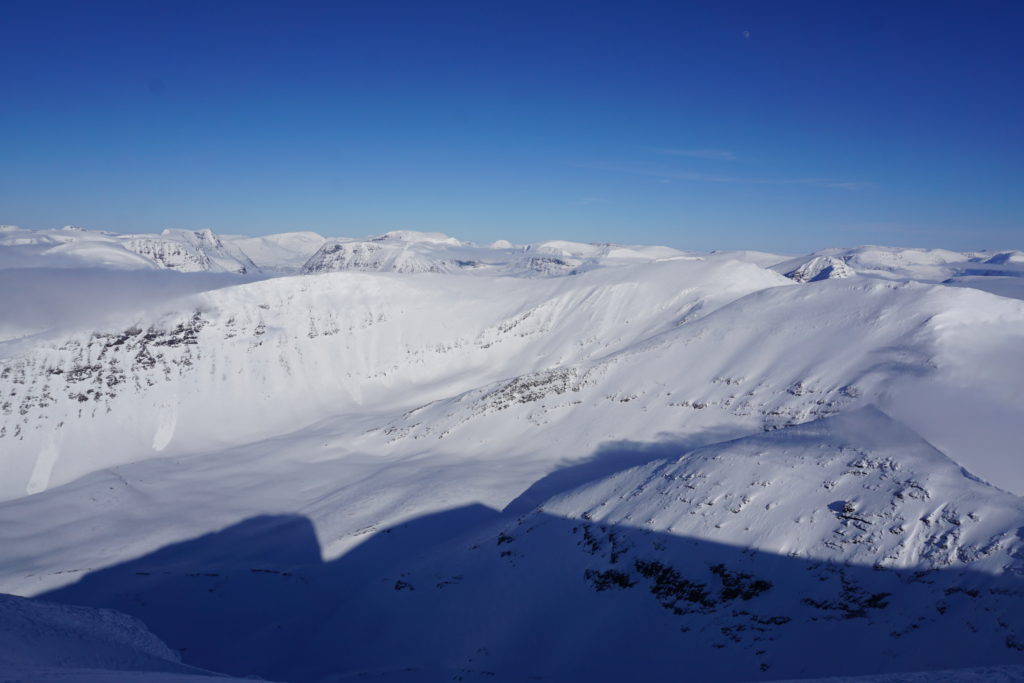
422,457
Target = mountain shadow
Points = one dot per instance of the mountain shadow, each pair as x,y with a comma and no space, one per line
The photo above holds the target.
610,458
469,594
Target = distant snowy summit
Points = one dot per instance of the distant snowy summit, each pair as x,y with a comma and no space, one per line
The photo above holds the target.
185,251
899,263
821,268
190,252
739,463
407,251
398,251
999,273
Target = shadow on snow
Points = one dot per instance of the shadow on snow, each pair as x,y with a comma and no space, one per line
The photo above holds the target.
475,594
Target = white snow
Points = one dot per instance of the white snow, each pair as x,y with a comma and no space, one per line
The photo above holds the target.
343,452
821,268
41,641
282,254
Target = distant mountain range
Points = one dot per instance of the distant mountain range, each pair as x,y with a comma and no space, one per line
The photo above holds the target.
410,458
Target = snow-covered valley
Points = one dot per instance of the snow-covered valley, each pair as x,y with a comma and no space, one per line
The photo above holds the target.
406,457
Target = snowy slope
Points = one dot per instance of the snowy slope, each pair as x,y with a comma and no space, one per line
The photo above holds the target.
67,247
820,268
945,361
1000,273
42,641
931,265
613,354
859,488
185,251
283,254
330,455
790,553
277,355
189,251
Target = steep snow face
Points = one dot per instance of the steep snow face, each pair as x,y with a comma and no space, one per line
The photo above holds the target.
280,354
190,252
941,359
675,348
821,268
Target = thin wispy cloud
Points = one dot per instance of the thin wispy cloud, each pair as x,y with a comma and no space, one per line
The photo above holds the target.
672,174
712,154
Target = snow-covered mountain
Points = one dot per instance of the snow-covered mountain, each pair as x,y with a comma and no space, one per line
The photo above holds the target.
1000,273
407,251
190,252
627,461
768,556
281,254
185,251
821,268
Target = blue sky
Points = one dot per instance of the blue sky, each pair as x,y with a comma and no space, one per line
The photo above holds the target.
766,125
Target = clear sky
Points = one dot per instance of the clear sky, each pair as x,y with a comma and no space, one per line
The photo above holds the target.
784,126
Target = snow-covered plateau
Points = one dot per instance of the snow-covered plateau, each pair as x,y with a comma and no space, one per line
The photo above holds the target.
407,457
